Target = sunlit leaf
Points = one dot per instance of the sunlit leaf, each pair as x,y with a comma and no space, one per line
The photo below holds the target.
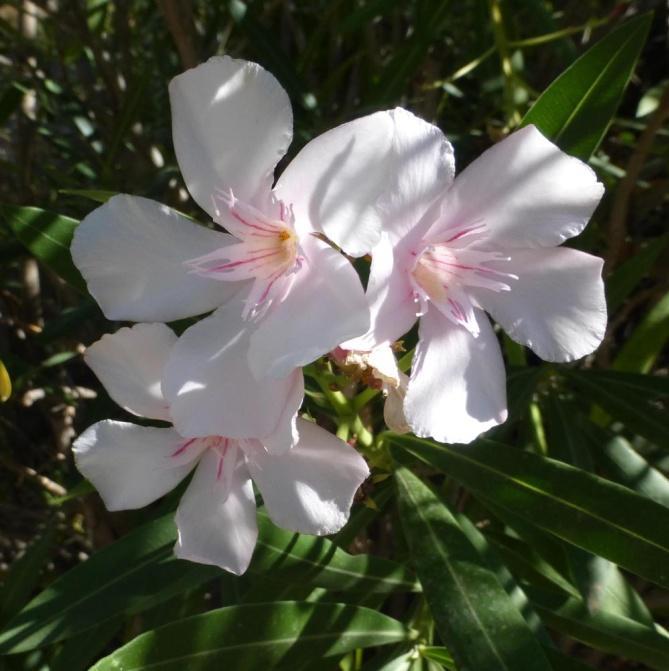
256,636
47,236
576,109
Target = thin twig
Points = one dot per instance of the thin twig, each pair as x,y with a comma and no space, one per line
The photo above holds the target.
179,20
31,474
617,229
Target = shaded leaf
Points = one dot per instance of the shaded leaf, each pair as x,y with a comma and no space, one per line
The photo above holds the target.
473,614
626,398
593,513
24,575
603,630
139,571
644,345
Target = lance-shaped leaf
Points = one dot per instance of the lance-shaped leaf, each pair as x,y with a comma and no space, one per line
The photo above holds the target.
621,462
24,575
256,636
128,576
603,630
139,571
628,398
588,511
576,109
47,236
474,615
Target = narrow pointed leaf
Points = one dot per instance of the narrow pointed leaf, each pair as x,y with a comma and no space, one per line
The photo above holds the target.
475,617
627,399
588,511
256,636
648,339
603,630
624,464
577,108
47,236
24,575
139,571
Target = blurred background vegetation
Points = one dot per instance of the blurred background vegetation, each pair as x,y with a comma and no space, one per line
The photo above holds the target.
84,111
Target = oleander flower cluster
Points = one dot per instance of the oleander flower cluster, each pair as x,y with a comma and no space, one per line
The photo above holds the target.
271,283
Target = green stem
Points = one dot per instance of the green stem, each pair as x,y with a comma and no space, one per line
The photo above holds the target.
502,44
557,35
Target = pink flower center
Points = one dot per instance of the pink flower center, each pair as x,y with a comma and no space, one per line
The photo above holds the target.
268,251
226,448
444,272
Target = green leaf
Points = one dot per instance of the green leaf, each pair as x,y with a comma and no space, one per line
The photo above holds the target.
96,195
559,662
648,387
256,636
504,576
428,22
79,652
590,512
565,441
24,575
139,571
576,109
644,345
474,615
627,398
625,278
603,630
623,463
438,654
320,563
47,236
133,574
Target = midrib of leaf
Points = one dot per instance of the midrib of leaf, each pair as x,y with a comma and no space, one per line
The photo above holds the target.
456,579
340,571
581,102
136,567
649,419
265,643
549,496
600,630
44,234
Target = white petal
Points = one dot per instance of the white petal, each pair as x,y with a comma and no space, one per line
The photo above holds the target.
378,172
525,191
457,388
390,297
130,363
132,250
217,524
335,180
309,489
556,306
210,387
325,305
286,435
131,466
231,123
420,167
